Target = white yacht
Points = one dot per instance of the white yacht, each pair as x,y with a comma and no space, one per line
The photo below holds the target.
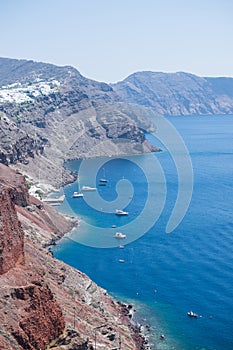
77,195
88,188
121,212
103,179
119,235
54,200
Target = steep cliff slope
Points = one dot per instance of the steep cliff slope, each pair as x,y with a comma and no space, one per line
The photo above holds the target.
49,114
11,233
44,303
16,145
177,93
38,220
30,316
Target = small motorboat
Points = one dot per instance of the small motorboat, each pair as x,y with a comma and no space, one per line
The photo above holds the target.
114,226
103,180
121,246
54,200
121,212
88,188
121,260
192,314
120,235
77,195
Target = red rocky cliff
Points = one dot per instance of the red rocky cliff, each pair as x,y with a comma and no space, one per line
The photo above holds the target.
41,319
30,317
17,184
11,233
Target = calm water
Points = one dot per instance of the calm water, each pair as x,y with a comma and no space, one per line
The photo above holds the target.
166,275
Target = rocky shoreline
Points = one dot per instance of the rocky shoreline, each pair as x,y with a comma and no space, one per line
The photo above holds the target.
128,311
141,339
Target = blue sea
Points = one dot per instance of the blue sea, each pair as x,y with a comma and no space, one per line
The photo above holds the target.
164,274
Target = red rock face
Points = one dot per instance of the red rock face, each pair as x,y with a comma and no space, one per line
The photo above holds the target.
32,315
41,319
11,233
18,193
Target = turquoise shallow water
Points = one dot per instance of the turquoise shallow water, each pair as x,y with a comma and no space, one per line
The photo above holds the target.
167,275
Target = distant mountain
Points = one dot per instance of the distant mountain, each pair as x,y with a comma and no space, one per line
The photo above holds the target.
56,114
177,93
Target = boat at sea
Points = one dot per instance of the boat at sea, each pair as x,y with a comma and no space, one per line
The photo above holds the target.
103,179
192,314
54,200
77,195
88,188
121,260
121,212
119,235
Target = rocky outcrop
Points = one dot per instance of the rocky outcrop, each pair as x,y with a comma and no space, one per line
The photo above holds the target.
16,145
11,233
177,93
17,187
31,315
40,317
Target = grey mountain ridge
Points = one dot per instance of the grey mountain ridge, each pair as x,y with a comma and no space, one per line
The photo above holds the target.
177,93
64,116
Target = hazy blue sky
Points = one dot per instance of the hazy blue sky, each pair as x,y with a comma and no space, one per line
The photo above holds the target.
107,40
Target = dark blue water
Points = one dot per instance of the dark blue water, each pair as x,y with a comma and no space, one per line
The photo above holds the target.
167,275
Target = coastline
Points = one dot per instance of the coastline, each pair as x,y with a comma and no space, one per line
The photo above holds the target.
138,325
140,330
149,335
128,314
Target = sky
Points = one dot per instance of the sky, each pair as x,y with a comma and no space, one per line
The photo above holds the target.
107,40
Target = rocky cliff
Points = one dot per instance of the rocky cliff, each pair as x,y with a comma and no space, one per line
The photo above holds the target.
177,93
50,114
16,145
16,184
44,303
30,316
11,233
39,319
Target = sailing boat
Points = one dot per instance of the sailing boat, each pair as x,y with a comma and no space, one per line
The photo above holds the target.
77,194
103,179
